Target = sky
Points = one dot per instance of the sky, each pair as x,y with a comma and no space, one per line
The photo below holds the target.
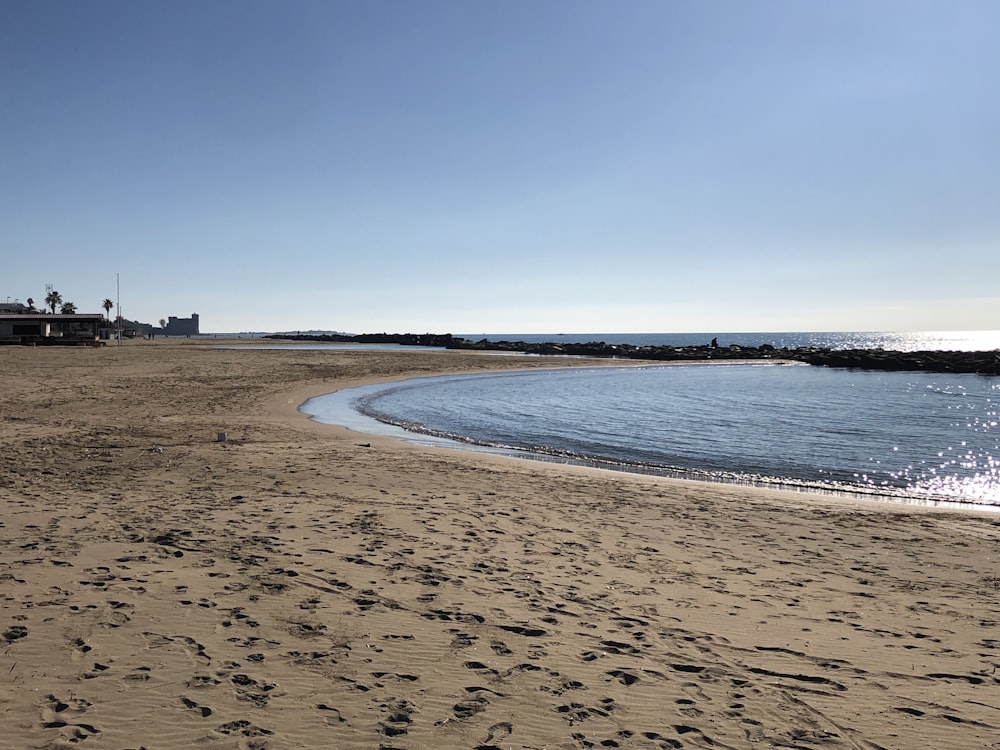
524,166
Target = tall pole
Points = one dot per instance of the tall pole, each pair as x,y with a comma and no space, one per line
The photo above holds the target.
118,304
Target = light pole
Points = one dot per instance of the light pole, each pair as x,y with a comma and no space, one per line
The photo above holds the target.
118,304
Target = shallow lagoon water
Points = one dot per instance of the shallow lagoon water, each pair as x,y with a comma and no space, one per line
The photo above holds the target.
904,436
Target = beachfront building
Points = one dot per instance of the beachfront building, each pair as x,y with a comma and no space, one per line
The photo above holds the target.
43,328
182,326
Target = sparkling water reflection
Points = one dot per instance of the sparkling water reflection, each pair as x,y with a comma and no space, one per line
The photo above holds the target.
898,434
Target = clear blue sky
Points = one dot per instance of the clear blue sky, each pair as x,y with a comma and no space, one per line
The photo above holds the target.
510,166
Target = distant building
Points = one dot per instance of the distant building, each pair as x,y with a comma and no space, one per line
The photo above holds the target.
182,326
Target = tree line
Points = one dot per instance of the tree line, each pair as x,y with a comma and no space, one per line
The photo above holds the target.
54,299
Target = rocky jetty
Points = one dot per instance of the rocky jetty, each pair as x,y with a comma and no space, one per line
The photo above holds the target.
624,351
984,363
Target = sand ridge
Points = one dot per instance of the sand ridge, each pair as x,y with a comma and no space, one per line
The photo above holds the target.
305,586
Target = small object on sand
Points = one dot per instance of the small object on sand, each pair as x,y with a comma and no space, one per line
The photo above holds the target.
364,445
221,437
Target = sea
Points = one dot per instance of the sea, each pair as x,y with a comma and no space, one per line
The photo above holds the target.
906,437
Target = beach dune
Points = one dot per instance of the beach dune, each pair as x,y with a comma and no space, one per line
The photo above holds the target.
298,585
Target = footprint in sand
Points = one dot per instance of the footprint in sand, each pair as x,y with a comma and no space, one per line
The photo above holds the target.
576,712
470,707
55,708
250,690
80,648
521,630
137,676
193,648
480,689
120,613
398,719
14,633
202,681
243,728
205,711
496,733
462,640
624,676
620,649
686,707
478,666
62,714
334,715
396,675
663,742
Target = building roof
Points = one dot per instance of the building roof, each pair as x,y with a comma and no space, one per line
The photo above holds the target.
47,316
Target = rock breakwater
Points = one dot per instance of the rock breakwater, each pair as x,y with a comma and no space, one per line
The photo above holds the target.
983,363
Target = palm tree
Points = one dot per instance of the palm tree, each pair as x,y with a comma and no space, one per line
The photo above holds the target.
53,299
107,305
68,308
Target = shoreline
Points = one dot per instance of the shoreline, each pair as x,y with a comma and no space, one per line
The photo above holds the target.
435,440
302,585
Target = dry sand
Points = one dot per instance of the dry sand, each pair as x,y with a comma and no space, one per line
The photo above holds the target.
303,586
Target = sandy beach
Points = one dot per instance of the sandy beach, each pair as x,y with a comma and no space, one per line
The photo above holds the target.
304,586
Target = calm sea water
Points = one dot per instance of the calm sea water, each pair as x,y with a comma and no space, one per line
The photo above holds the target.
905,436
904,342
